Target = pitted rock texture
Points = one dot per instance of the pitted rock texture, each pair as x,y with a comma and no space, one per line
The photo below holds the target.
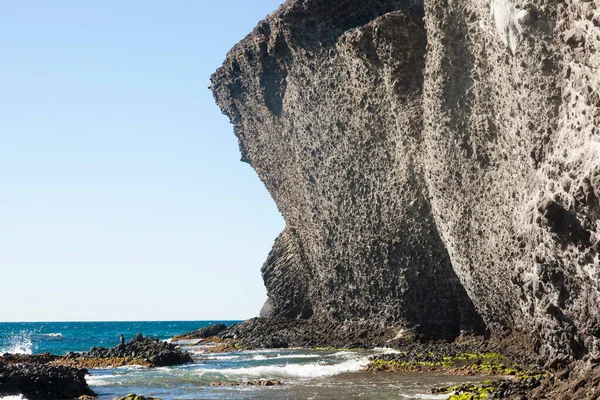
435,164
512,159
337,154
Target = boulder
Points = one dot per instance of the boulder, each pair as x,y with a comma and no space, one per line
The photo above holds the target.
38,381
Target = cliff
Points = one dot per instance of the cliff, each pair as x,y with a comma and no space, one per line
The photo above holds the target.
437,166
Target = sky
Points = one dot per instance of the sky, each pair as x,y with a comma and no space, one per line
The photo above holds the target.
122,194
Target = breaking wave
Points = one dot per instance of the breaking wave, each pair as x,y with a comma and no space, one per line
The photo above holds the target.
55,335
284,356
19,343
298,371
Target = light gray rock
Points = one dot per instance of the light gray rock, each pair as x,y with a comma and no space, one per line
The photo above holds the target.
511,150
431,172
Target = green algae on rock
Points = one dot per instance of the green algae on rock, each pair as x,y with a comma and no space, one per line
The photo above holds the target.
469,392
461,363
133,396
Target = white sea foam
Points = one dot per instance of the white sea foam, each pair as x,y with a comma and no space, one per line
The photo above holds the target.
342,354
216,357
100,380
300,371
132,367
19,397
57,335
18,344
284,356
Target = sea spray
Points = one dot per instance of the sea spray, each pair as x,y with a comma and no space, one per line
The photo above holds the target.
305,373
19,343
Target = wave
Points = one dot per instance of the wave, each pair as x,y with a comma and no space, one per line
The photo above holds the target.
298,371
20,343
103,380
218,357
56,335
19,397
282,356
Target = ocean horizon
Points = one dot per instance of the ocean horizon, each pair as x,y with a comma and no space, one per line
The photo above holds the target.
77,336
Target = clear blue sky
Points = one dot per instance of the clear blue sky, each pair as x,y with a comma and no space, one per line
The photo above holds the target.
122,196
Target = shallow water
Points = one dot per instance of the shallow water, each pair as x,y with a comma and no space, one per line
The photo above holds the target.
305,374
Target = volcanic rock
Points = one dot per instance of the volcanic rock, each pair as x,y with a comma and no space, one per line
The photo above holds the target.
39,381
146,351
436,163
134,396
202,333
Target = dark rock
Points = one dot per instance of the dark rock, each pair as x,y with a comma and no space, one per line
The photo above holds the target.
38,381
266,310
202,333
575,37
137,338
156,352
562,222
134,396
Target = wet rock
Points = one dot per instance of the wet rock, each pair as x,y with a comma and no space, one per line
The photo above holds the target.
140,350
225,384
38,381
260,382
134,396
263,382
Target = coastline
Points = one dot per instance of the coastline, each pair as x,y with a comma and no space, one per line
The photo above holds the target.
472,366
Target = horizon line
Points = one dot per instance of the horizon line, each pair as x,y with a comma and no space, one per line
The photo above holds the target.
156,320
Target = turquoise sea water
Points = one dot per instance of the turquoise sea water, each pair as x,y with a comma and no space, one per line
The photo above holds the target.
305,374
62,337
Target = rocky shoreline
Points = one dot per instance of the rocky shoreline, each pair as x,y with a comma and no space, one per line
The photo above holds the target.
145,351
510,371
38,381
53,377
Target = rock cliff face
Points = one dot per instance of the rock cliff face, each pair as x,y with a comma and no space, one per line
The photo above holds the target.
437,165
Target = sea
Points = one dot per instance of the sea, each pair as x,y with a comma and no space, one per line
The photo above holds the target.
304,374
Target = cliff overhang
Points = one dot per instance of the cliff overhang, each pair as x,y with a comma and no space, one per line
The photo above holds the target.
437,165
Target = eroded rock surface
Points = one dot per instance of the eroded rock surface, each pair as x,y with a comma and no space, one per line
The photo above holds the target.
37,380
437,166
337,152
511,154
